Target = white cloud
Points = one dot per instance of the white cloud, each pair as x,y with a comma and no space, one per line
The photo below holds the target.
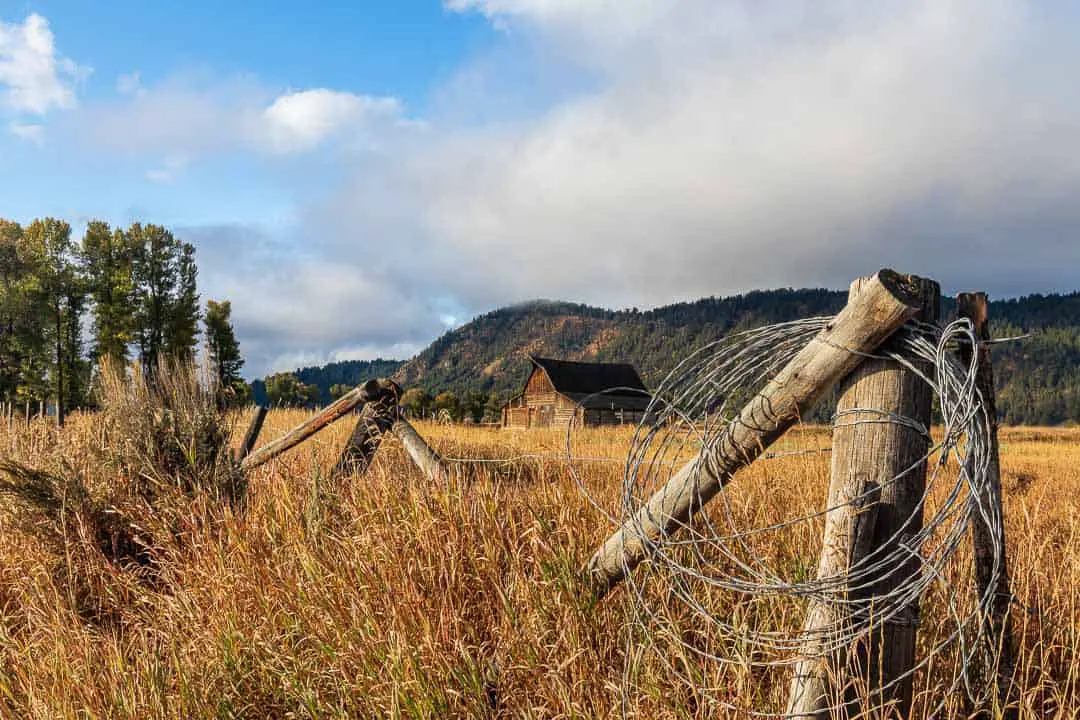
703,147
169,168
34,78
199,118
731,146
30,132
129,84
301,121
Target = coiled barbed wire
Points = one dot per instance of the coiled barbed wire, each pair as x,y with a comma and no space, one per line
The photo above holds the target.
715,555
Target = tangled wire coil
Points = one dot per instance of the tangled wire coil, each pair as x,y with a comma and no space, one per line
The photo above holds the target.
674,595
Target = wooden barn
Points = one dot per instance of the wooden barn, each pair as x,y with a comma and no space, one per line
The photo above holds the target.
560,392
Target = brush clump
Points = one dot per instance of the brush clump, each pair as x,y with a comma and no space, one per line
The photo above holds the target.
160,469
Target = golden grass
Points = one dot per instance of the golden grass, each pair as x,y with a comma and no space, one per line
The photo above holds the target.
391,598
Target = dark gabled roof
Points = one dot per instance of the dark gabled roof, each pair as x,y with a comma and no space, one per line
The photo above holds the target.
578,380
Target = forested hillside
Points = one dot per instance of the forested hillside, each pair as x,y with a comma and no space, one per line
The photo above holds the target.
320,385
1038,378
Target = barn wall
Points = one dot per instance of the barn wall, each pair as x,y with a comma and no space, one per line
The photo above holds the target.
541,406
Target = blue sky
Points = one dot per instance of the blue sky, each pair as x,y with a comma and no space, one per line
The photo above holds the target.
360,176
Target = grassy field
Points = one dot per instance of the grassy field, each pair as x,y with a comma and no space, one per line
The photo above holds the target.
384,596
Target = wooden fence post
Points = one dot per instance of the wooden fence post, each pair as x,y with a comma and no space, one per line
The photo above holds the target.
375,419
368,391
878,481
421,453
997,626
885,303
252,434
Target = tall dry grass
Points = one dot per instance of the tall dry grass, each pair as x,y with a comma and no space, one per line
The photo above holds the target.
461,600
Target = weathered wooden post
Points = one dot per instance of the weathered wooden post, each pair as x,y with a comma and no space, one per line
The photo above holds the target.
421,453
376,418
986,537
368,391
880,440
886,301
252,434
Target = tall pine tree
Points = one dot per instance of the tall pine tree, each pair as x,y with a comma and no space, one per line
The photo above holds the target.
14,276
108,260
59,299
223,349
182,331
156,273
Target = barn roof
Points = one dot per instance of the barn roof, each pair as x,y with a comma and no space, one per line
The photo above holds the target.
615,385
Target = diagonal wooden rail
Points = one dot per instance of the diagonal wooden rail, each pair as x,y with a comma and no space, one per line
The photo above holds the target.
379,400
371,390
886,302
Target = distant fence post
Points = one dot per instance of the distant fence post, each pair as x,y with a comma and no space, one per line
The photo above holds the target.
878,481
886,302
375,419
997,625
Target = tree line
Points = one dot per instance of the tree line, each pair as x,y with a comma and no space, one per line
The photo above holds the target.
68,306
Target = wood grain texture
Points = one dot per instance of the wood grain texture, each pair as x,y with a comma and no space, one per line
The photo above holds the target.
375,419
420,452
878,480
887,301
252,434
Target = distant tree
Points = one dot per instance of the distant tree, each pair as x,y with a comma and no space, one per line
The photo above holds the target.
15,282
107,259
60,299
473,407
156,273
286,390
416,402
493,407
182,329
309,395
448,401
223,350
338,390
282,390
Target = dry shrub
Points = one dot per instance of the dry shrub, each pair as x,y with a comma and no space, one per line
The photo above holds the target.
169,433
162,471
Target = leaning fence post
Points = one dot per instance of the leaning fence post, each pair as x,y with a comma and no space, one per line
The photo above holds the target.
885,303
252,434
881,437
368,391
988,536
421,453
375,419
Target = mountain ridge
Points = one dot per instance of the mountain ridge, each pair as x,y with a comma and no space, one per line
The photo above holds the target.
1038,378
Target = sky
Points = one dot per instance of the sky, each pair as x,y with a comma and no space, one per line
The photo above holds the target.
360,177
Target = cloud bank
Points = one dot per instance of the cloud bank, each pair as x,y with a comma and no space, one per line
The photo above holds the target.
690,148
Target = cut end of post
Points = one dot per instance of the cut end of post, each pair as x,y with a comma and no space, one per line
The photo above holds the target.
380,388
908,289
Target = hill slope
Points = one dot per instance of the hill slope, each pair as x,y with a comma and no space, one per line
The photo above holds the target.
1038,378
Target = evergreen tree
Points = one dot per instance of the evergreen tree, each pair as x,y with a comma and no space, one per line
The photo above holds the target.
108,258
156,274
14,276
59,298
182,331
222,347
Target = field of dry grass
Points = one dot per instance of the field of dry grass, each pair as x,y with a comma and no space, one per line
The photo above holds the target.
384,596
